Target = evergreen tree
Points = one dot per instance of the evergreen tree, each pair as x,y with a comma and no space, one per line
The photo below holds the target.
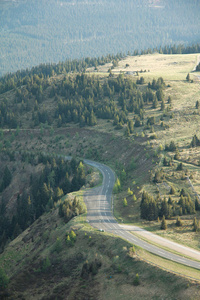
169,100
160,95
195,141
131,126
155,102
163,224
197,204
7,177
164,210
195,225
162,105
188,77
137,122
179,167
179,222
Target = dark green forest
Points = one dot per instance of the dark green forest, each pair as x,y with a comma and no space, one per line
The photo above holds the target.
57,178
34,32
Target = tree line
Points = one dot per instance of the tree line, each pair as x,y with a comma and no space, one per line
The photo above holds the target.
49,33
151,208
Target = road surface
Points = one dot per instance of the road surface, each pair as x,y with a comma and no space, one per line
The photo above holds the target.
99,207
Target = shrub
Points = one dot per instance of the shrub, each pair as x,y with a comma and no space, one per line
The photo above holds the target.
136,280
134,198
125,202
117,186
130,193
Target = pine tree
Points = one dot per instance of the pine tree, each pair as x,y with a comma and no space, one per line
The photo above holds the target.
195,225
195,141
164,211
179,222
163,224
131,126
162,105
188,77
169,100
155,102
197,104
127,132
7,177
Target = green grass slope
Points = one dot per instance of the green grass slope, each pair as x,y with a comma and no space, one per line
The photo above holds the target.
40,264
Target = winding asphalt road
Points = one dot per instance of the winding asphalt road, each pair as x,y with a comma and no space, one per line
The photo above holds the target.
99,207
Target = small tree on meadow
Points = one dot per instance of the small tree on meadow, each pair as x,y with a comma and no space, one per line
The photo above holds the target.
188,77
179,222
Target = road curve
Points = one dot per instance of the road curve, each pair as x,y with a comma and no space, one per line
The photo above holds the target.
99,214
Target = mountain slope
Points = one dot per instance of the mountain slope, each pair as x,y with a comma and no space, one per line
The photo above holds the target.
51,31
42,265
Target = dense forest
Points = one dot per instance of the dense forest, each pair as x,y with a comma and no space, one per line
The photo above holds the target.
81,99
46,187
34,32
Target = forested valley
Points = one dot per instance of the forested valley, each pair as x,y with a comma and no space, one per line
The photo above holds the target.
52,31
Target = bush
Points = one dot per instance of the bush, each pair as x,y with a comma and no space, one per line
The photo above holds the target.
153,136
134,198
136,280
130,193
125,202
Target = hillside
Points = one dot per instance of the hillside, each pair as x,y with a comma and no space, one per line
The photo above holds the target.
129,114
41,264
34,32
